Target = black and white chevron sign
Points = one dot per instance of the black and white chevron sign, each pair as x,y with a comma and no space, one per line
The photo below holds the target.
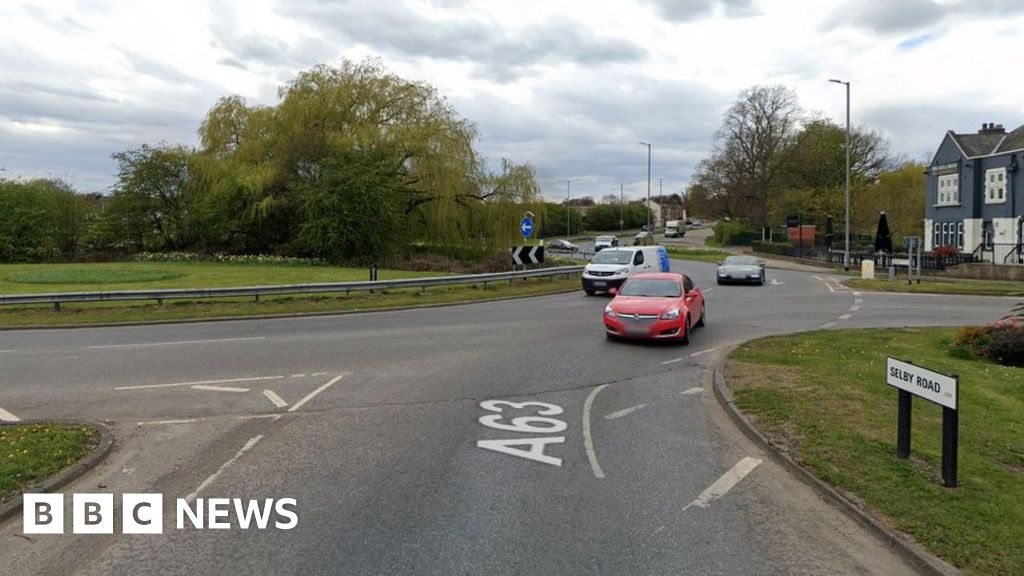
527,255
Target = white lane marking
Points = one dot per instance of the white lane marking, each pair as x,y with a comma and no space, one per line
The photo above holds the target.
706,290
854,308
310,396
161,422
176,342
819,278
220,388
828,324
692,391
856,293
722,486
248,445
4,351
8,417
194,420
858,300
588,440
298,375
273,397
319,374
625,412
775,282
830,288
845,317
673,361
695,354
199,383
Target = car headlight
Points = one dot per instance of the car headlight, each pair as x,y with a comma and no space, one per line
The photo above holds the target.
609,311
671,314
622,270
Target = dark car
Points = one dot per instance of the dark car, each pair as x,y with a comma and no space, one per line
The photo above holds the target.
558,245
643,239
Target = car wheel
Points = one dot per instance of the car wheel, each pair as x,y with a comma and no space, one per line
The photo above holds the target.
686,335
703,309
590,292
720,282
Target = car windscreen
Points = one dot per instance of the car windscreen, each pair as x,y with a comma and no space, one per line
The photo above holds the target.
651,288
741,261
603,239
613,257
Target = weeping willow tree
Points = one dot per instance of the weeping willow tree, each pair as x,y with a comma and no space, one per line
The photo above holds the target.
355,163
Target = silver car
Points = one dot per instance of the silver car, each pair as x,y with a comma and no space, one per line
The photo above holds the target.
745,269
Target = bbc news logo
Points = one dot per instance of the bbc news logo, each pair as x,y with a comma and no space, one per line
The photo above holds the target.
144,514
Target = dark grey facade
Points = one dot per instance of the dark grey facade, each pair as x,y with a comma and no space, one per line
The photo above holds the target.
974,194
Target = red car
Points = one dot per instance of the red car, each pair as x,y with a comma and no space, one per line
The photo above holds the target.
655,305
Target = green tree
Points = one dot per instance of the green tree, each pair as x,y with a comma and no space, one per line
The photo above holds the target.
153,197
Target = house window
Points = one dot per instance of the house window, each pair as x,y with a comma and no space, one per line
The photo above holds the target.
960,235
995,186
936,236
949,189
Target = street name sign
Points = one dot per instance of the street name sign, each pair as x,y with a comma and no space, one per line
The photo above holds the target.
932,386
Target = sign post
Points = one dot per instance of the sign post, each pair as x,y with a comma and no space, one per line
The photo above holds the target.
942,389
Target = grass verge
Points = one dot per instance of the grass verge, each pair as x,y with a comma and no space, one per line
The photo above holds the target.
823,397
172,310
699,254
36,278
940,286
31,452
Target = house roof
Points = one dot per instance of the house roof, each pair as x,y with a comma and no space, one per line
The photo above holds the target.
989,143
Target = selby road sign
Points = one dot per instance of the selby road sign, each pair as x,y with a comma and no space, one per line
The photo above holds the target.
932,386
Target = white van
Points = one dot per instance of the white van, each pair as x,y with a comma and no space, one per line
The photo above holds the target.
674,229
612,266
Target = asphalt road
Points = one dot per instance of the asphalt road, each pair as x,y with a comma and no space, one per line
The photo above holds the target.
371,422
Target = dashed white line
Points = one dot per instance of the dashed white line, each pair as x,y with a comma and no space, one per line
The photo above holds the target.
273,397
8,417
695,354
856,293
161,422
672,361
298,375
858,300
199,383
845,317
7,351
176,342
692,391
588,440
310,396
722,486
220,388
319,374
854,308
248,445
625,412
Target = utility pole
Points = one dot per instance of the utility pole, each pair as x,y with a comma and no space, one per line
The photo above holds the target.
846,248
648,184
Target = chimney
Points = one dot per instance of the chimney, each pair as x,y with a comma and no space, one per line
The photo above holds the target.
991,128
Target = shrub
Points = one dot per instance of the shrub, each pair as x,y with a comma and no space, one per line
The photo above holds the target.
781,248
1006,346
945,251
735,233
973,340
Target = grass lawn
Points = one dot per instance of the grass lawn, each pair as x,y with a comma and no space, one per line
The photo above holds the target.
36,278
824,396
31,452
112,312
942,286
699,254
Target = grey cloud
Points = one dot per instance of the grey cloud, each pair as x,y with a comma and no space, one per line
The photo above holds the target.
149,67
63,23
594,135
887,17
495,52
690,10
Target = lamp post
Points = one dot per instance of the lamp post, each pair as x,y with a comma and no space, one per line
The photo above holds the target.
846,230
648,184
567,182
621,213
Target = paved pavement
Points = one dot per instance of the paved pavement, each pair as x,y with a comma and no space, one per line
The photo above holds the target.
396,434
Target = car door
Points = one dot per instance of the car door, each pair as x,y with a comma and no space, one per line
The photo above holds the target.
694,299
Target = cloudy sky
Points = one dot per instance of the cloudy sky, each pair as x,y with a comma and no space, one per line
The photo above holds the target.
570,86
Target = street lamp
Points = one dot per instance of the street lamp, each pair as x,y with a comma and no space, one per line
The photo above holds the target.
846,246
648,184
567,209
621,214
